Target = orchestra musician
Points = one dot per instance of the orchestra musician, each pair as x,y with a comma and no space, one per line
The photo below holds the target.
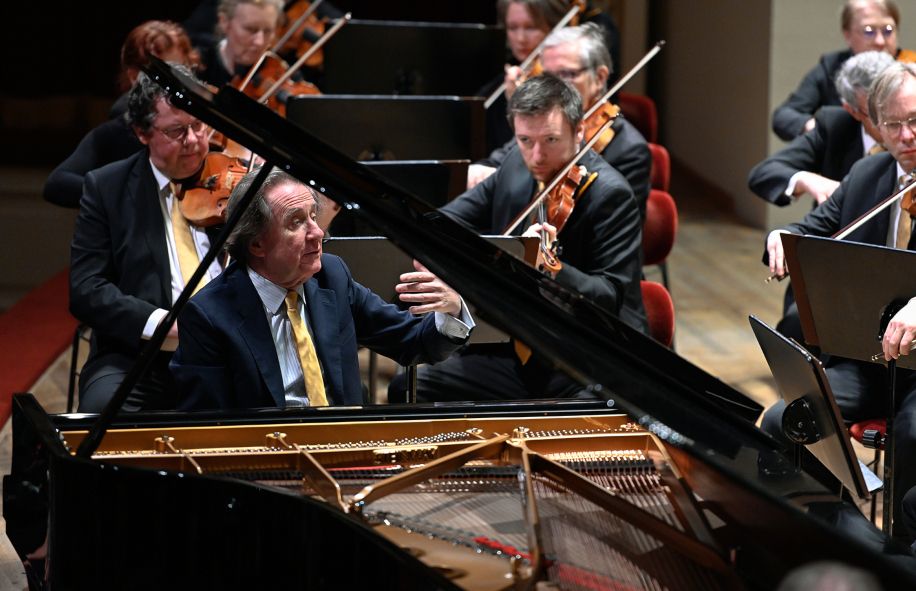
579,56
527,22
868,25
242,345
114,139
599,246
816,162
133,251
860,387
248,28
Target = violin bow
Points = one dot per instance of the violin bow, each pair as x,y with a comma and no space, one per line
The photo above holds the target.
305,56
526,65
556,179
626,78
871,213
295,26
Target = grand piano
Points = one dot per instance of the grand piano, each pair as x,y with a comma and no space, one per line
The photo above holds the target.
661,483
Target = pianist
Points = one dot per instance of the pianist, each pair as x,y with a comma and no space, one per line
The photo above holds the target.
281,325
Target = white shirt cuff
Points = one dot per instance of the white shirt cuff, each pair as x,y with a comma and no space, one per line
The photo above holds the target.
455,328
790,190
170,343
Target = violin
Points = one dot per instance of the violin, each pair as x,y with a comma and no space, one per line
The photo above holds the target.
263,76
203,197
528,65
596,121
555,210
300,31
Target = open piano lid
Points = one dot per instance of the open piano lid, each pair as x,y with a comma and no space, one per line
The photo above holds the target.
706,426
691,411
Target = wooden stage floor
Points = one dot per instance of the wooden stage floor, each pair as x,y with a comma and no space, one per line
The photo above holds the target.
717,280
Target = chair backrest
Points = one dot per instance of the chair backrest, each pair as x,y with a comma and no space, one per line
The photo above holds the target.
660,178
660,228
641,112
659,311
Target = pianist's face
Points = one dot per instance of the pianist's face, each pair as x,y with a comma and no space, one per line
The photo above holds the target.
289,251
547,142
249,32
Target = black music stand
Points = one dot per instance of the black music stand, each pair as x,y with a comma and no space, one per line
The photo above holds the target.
385,127
436,181
412,58
812,416
377,263
836,281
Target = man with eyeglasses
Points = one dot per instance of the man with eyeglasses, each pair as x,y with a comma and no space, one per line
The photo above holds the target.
133,250
599,248
868,25
860,387
579,56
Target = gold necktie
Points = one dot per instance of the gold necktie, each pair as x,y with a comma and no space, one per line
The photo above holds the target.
876,149
308,358
188,261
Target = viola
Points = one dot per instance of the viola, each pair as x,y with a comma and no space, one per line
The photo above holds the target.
203,197
301,30
596,121
262,78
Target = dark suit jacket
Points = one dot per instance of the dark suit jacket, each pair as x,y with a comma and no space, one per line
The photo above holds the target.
628,152
226,356
119,269
111,141
830,150
601,242
816,90
871,179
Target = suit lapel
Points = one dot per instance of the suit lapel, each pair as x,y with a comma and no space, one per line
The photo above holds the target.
886,186
254,331
143,197
322,311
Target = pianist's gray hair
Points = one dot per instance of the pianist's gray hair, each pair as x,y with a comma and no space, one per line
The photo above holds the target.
258,215
593,51
539,95
858,72
885,86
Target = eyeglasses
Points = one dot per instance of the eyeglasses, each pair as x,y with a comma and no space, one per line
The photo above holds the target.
895,127
871,31
178,132
569,74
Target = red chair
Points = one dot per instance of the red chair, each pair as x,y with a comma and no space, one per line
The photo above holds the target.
659,231
871,433
659,311
641,112
660,177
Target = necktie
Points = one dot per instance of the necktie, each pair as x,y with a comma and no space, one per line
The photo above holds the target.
904,223
876,149
188,261
311,371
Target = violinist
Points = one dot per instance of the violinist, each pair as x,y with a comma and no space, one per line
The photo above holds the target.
133,250
867,25
248,28
114,139
599,246
527,22
860,387
579,56
816,162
